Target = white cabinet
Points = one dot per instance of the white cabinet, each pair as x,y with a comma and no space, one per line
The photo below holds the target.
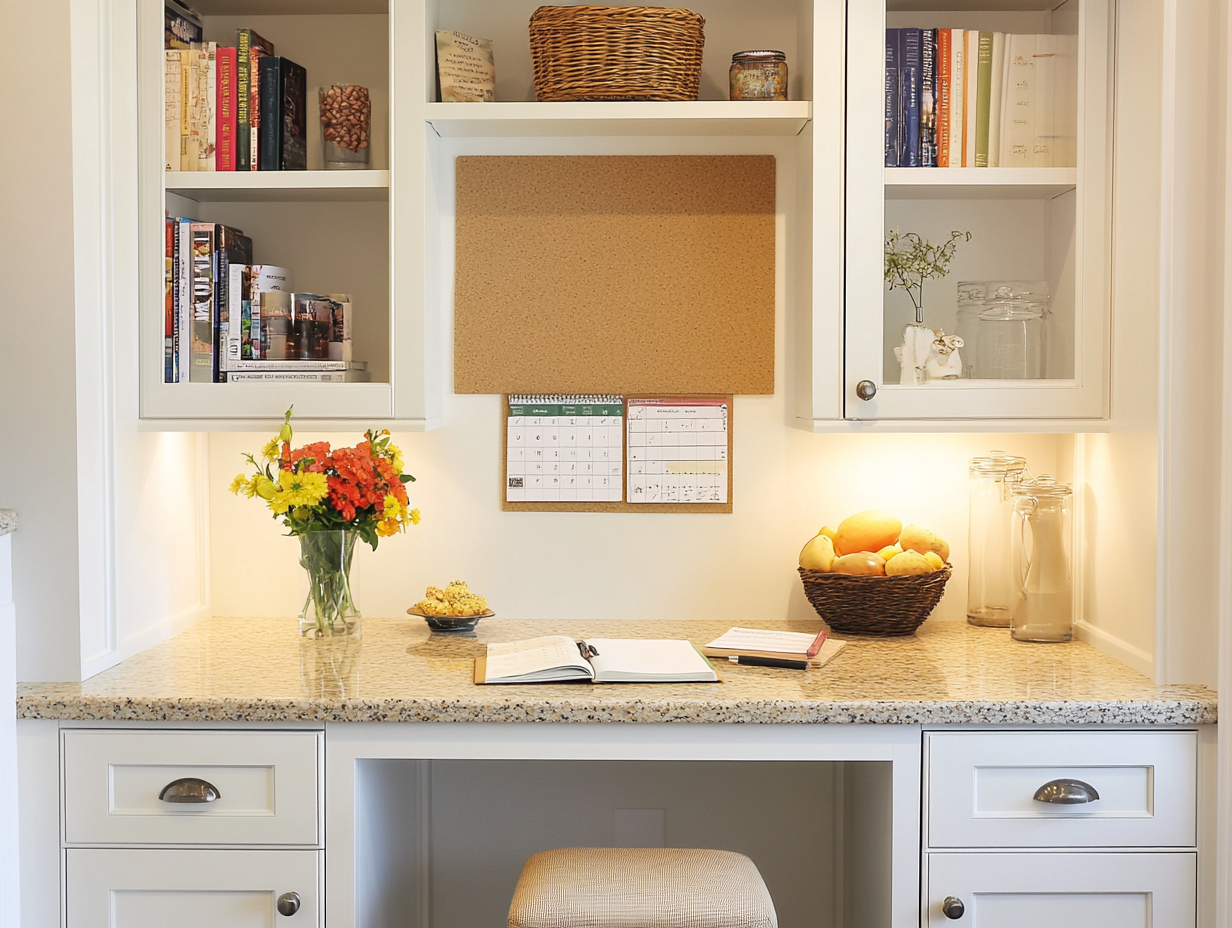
192,889
995,890
1046,224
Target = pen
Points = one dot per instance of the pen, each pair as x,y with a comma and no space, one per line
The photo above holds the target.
815,647
768,662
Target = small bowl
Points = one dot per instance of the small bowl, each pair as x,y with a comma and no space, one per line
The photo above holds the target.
451,623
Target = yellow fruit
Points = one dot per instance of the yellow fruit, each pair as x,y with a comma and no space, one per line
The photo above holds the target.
922,540
828,531
889,551
909,562
818,554
867,531
935,559
862,563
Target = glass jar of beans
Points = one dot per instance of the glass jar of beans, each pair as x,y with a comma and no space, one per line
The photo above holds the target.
346,127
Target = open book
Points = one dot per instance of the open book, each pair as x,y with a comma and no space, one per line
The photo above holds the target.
555,658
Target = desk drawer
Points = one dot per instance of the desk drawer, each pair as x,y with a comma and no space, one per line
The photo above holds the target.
267,782
981,788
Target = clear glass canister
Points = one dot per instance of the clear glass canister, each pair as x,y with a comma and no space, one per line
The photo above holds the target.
990,582
346,127
758,75
1004,327
1044,605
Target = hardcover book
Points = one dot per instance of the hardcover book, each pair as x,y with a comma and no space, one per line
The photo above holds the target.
173,99
555,658
183,312
971,95
983,107
1019,112
201,271
284,128
892,107
208,154
958,95
244,342
233,246
169,303
181,25
226,104
249,48
928,99
997,100
910,79
945,94
1045,110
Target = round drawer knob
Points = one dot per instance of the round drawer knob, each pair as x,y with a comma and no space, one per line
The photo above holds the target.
288,903
866,390
952,907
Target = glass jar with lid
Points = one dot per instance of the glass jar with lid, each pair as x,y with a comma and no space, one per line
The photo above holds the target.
991,588
758,75
1044,605
1004,327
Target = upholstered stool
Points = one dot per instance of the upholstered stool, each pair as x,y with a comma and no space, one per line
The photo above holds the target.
629,887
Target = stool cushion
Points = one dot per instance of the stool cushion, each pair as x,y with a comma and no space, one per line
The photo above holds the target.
594,887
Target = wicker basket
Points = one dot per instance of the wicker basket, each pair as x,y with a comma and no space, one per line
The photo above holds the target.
879,607
616,53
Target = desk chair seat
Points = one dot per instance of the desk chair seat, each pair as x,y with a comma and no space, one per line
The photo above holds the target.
590,887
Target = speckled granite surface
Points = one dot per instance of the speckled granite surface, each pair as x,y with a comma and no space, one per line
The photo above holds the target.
8,521
260,670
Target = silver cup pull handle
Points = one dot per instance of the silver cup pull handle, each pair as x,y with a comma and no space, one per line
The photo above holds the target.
1066,791
190,789
952,907
288,903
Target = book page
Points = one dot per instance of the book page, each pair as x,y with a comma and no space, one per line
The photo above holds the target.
764,639
647,660
552,657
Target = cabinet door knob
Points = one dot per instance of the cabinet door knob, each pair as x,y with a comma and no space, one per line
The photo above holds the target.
952,907
190,789
1066,792
866,390
288,903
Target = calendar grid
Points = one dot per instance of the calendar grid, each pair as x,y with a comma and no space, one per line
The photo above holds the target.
677,451
564,448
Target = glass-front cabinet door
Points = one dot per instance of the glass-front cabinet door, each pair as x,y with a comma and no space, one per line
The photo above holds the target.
977,215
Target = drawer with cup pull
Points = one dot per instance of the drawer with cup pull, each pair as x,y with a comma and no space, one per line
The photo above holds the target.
1061,789
186,787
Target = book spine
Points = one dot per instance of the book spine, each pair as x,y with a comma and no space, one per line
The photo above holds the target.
173,102
289,365
983,92
944,98
232,246
237,320
1020,109
183,336
910,79
1065,102
971,71
928,99
298,376
243,85
169,303
209,154
891,98
271,115
180,27
958,95
1045,125
293,117
201,352
996,99
194,93
226,102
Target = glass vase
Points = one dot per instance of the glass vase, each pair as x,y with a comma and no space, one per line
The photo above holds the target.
329,608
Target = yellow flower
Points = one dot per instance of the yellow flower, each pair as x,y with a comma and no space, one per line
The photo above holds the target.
392,507
271,450
304,489
263,487
414,516
388,527
239,485
279,502
396,460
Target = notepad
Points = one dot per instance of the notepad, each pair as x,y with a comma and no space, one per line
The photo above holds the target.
677,450
564,448
770,642
559,658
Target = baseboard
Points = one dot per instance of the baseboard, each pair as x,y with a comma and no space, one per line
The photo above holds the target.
1136,658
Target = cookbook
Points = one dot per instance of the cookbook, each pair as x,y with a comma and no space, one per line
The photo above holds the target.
560,658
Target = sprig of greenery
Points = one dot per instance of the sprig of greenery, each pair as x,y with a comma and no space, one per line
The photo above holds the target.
911,260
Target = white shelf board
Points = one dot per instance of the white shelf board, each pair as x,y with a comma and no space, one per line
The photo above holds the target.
620,118
978,183
279,186
236,406
287,7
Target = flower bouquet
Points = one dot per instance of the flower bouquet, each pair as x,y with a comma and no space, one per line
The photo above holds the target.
329,498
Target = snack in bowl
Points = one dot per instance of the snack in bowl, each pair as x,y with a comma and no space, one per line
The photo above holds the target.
455,600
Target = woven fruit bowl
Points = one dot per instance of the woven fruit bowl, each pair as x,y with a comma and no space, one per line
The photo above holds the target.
878,607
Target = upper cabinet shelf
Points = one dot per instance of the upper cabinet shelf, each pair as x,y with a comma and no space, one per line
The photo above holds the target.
978,183
279,186
697,118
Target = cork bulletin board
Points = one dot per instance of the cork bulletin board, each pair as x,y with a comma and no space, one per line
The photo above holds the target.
627,459
615,274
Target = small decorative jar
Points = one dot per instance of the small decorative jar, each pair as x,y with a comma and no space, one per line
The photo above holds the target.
346,127
758,75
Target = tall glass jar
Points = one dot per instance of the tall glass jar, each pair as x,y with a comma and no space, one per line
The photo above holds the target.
990,582
1044,605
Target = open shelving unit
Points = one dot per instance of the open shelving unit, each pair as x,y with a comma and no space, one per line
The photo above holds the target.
280,186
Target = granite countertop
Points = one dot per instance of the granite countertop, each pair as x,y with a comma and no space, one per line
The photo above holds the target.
8,522
260,670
